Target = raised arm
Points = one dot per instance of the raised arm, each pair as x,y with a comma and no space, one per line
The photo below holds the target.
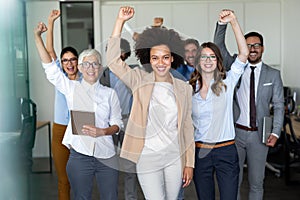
114,62
125,13
228,16
43,53
219,40
49,38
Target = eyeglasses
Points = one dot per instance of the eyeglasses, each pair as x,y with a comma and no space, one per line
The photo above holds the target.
72,60
255,45
94,65
204,57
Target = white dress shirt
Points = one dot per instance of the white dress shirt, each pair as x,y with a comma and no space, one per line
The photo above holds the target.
243,94
97,98
213,116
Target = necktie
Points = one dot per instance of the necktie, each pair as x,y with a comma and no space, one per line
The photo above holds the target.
252,99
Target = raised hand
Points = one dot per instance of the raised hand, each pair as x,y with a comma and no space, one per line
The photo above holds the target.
226,16
126,13
53,15
40,28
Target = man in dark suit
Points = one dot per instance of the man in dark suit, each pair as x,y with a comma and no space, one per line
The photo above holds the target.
268,89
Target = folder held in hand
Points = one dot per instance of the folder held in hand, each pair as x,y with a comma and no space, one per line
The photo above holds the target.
267,129
80,118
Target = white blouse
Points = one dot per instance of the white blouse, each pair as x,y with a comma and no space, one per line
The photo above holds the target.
97,98
162,129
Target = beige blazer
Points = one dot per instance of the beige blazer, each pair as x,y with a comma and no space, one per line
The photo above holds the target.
141,83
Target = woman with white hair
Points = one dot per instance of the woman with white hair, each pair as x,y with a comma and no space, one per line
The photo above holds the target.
92,152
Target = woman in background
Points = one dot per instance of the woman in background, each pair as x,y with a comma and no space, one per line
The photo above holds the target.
69,62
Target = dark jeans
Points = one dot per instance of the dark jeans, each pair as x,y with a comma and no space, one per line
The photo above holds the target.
224,163
81,171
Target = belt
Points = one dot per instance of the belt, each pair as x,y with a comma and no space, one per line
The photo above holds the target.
246,128
213,146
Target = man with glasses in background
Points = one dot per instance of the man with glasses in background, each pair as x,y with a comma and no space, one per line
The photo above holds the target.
267,88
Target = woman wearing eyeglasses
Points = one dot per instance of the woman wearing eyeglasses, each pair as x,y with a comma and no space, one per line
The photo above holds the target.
212,115
92,152
69,62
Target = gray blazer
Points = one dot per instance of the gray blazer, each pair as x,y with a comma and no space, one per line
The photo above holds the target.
269,89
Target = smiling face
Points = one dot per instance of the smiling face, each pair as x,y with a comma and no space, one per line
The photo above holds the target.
160,60
255,53
190,51
90,69
69,64
207,61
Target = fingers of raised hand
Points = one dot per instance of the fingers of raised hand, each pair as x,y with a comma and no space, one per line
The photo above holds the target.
127,10
41,27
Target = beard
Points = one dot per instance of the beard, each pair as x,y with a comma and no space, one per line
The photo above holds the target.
254,59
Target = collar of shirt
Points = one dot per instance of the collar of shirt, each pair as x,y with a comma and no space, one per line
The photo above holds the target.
88,87
258,67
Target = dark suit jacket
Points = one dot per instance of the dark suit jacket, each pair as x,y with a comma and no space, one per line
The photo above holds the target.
269,89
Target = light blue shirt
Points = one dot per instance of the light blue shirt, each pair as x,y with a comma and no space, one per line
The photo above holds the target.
61,111
213,116
123,92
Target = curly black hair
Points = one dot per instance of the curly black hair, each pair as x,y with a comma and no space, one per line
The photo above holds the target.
125,47
155,36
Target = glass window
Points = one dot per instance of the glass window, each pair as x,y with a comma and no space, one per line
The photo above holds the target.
77,25
14,79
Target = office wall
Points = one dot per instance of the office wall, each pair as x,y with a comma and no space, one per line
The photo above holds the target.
291,44
41,91
275,19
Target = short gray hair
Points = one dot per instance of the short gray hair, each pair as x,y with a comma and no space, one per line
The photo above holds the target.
89,52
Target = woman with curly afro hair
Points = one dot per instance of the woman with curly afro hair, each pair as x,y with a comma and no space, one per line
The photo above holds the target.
159,134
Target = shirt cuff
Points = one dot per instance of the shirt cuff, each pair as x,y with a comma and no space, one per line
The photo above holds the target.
222,23
45,65
275,135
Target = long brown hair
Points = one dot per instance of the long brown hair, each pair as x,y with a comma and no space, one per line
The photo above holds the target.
219,73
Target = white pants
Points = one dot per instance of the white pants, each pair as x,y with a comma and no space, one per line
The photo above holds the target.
162,183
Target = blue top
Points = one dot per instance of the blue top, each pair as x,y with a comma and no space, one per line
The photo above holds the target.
186,71
213,116
177,75
61,111
123,92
